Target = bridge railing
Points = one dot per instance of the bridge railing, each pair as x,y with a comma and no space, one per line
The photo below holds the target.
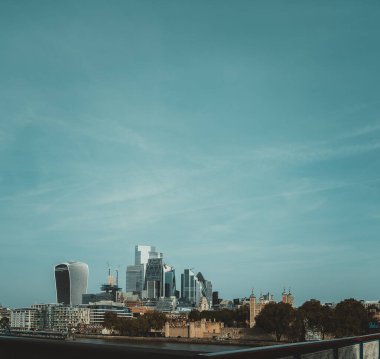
361,347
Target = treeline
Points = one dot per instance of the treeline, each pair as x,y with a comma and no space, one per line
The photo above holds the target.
348,318
136,327
231,318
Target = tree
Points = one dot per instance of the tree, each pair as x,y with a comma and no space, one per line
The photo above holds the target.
231,318
156,320
4,323
195,315
140,326
297,327
241,316
276,318
351,318
317,318
111,321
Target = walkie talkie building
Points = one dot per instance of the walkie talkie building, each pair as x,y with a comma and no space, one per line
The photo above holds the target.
71,280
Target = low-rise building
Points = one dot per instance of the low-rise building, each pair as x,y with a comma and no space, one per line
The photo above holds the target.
66,317
226,304
24,318
166,304
45,315
141,310
98,310
373,307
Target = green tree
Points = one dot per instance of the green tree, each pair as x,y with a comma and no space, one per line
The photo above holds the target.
4,323
297,327
111,321
231,318
194,315
134,327
317,317
156,320
140,326
351,318
276,318
241,316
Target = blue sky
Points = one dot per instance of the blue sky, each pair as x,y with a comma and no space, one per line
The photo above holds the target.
240,138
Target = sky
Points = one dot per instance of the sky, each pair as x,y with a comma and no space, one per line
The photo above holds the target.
241,138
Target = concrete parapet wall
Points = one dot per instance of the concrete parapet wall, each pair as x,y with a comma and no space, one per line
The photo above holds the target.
350,352
324,354
371,350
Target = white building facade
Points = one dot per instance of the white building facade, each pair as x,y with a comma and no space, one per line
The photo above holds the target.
24,319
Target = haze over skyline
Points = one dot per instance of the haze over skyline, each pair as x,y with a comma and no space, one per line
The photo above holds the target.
240,138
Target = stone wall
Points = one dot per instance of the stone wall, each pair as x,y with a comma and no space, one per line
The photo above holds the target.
200,329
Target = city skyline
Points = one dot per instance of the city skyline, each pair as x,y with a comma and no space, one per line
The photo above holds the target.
183,293
239,137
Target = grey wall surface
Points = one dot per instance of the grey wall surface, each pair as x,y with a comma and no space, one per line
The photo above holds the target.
350,352
324,354
371,350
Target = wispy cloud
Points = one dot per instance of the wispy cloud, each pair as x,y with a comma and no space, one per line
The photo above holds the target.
311,153
365,130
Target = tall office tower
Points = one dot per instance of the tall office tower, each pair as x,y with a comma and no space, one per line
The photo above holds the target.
71,280
134,278
190,287
154,279
215,298
206,288
142,255
169,281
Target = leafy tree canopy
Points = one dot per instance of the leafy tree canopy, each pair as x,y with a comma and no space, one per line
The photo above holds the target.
276,318
351,318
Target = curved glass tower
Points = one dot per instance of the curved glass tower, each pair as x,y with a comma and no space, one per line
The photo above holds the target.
71,280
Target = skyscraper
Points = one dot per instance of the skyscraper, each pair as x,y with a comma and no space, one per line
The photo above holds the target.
134,278
142,254
154,279
190,287
169,284
135,275
206,288
71,280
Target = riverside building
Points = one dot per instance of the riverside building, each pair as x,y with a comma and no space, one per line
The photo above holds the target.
24,319
98,310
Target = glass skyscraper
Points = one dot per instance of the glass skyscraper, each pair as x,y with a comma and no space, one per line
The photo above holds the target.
154,279
170,284
190,287
206,288
135,274
134,278
71,280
